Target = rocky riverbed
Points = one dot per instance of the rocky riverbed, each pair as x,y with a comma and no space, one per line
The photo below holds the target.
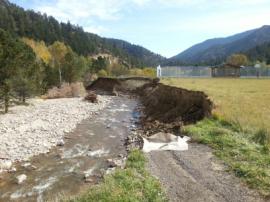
27,131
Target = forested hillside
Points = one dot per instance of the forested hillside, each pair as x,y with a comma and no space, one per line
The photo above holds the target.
39,27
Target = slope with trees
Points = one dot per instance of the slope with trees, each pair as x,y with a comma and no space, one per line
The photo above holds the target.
41,27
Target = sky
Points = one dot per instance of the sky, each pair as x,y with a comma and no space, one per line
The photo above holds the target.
166,27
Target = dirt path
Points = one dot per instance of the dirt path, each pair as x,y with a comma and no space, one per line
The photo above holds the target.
197,176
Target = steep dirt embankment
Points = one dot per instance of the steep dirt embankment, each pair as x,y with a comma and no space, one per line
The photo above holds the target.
162,104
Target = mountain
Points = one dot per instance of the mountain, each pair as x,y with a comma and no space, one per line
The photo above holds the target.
27,23
214,51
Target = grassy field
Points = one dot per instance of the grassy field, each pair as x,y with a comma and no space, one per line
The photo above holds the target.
239,130
243,101
133,183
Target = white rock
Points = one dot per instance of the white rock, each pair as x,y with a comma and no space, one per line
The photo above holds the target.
21,178
5,165
26,165
60,143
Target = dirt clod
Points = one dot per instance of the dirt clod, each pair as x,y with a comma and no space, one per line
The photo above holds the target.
91,97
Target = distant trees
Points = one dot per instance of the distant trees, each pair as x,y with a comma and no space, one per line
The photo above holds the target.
238,59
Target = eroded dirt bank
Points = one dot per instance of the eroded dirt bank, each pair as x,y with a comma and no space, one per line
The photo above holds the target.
161,104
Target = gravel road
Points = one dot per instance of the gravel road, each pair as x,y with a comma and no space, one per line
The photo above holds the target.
197,176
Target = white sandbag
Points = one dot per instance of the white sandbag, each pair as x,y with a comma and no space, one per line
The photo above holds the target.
177,144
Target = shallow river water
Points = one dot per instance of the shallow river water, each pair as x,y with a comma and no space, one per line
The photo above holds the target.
61,172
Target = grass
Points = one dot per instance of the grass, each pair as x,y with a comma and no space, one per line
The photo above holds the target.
239,129
243,101
248,159
129,185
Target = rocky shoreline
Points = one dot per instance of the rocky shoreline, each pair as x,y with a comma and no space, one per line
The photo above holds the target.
31,130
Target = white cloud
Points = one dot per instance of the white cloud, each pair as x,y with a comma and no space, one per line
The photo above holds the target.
88,13
74,10
95,29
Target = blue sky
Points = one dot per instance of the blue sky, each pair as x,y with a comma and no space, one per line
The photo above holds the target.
166,27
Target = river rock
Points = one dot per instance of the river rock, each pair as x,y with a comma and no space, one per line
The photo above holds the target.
12,170
21,178
5,165
88,180
26,165
112,163
60,143
110,171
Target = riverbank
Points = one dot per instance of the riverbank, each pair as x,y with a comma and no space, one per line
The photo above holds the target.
27,131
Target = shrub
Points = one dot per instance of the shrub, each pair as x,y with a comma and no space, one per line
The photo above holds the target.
102,73
66,91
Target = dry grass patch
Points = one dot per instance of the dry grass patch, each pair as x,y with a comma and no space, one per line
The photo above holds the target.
66,91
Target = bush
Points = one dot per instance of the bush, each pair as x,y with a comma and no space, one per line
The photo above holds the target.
102,73
145,72
66,91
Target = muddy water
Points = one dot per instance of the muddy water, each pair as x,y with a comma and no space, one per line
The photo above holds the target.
62,172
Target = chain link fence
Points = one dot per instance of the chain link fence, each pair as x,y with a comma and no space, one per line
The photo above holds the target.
205,72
